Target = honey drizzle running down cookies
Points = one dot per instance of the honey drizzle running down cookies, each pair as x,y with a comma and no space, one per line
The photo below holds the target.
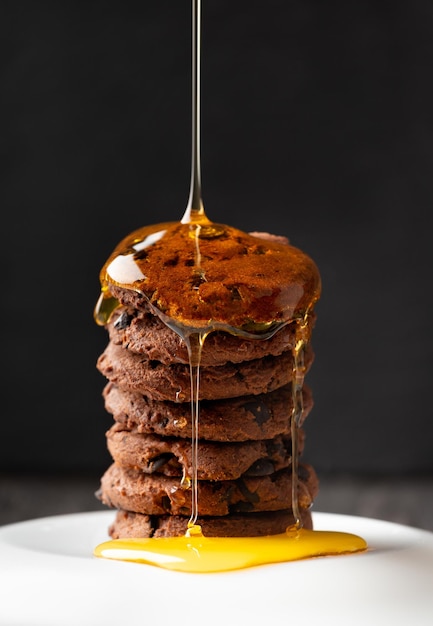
204,281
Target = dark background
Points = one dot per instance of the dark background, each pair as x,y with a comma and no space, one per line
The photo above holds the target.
316,124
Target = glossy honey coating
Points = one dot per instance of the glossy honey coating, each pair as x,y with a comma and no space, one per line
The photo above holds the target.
222,276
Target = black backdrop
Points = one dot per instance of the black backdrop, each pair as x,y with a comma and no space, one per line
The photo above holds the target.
316,124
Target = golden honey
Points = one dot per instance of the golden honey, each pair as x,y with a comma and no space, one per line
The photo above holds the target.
198,554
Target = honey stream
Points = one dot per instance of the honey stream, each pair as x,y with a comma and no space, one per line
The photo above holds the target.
196,237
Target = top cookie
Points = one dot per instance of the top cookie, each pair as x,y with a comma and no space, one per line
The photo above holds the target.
233,279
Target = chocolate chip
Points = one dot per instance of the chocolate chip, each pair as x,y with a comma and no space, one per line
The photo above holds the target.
259,410
123,321
197,279
166,503
172,262
154,524
159,461
262,467
250,496
277,448
235,293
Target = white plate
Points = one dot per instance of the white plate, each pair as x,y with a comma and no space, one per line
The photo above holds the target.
48,576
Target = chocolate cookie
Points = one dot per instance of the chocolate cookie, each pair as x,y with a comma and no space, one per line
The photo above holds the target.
172,382
144,333
135,525
155,494
216,461
235,419
240,278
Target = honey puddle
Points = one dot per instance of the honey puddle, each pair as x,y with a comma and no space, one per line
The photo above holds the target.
196,553
198,278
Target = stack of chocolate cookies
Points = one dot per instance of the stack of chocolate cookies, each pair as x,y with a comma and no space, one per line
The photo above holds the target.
244,466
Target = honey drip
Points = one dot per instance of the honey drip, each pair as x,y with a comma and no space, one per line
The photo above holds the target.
177,268
194,344
298,351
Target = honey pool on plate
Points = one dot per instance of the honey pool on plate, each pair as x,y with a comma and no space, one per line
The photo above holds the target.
196,553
